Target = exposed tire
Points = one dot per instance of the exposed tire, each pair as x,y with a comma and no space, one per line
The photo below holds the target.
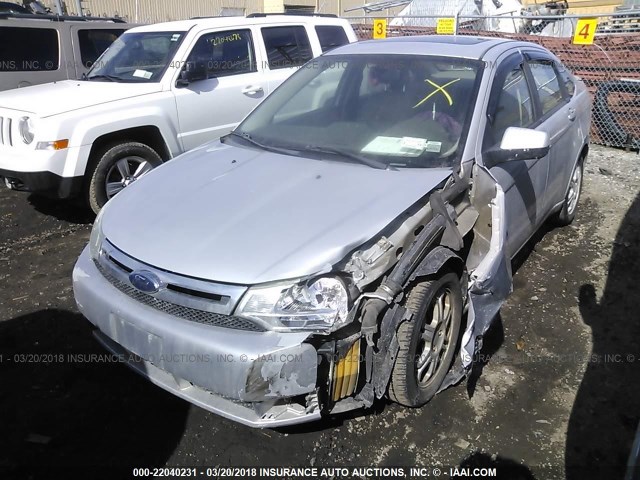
567,213
118,166
428,341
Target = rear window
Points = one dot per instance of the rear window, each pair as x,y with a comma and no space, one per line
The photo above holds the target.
547,85
28,49
94,42
331,36
286,46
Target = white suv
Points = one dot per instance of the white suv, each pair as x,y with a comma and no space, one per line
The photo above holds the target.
157,92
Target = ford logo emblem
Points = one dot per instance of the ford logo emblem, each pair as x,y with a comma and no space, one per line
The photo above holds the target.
145,281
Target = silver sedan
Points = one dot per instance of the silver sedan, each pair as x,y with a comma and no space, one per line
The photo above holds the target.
351,239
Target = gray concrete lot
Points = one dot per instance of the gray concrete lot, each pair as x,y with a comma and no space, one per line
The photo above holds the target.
556,385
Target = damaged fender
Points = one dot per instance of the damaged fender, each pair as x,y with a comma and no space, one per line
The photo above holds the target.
387,346
491,282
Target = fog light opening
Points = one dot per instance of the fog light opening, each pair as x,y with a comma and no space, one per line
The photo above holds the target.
346,373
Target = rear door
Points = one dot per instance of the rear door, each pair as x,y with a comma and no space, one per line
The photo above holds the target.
286,48
557,116
512,104
210,108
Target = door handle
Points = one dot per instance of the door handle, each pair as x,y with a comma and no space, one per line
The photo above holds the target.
572,114
252,90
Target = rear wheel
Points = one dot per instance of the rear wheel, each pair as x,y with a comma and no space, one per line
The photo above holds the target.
118,167
428,341
567,213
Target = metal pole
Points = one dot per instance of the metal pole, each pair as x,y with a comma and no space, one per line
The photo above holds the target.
79,7
59,7
455,26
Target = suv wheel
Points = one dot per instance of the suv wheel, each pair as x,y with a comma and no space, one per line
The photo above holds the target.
428,341
118,167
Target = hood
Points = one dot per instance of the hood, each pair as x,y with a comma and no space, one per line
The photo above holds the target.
61,97
242,216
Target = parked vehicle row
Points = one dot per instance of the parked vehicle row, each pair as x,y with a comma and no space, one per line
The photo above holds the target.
323,254
157,92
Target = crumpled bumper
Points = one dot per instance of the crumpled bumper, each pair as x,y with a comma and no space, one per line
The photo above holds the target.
246,376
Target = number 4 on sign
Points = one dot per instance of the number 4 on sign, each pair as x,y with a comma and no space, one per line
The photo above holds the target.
585,31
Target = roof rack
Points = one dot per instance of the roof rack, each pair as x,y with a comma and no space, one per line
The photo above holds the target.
295,14
58,18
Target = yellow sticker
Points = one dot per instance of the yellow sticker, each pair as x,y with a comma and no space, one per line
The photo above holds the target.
446,26
379,28
585,31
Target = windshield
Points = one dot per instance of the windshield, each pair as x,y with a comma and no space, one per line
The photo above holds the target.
394,110
137,57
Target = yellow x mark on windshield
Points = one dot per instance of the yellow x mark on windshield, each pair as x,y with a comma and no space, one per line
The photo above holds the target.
438,88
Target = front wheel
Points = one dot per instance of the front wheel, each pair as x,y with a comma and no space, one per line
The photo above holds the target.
428,341
118,167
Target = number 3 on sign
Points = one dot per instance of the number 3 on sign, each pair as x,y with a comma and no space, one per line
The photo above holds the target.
585,31
379,28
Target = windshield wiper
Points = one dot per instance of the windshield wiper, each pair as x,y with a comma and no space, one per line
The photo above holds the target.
269,148
352,156
111,78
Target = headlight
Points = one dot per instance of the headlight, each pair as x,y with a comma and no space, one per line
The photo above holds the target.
97,237
26,128
318,305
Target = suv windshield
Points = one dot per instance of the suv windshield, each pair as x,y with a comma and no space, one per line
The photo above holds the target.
391,110
137,57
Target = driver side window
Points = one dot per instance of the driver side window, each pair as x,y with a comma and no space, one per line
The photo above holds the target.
224,53
514,107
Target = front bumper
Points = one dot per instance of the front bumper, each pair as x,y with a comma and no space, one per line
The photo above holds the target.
46,183
49,172
249,377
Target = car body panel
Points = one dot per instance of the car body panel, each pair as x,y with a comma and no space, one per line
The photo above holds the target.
247,238
68,95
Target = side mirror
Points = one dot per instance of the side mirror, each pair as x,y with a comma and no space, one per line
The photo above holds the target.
519,144
192,72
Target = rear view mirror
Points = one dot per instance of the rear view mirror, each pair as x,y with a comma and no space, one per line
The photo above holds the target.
519,144
192,72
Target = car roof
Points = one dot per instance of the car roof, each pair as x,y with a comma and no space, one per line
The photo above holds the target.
463,46
215,22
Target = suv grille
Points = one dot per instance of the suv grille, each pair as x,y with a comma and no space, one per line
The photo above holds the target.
186,313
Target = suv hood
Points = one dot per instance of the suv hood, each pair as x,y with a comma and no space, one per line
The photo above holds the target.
67,95
238,215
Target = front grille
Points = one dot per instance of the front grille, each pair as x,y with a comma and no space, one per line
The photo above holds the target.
186,313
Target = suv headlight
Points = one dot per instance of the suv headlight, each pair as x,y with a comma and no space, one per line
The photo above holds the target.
321,304
97,237
27,130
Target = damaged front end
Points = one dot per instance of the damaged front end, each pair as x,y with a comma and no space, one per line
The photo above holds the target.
297,350
459,228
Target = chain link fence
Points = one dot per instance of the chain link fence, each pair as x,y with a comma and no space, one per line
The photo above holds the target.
610,67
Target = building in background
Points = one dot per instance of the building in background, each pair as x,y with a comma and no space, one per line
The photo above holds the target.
152,11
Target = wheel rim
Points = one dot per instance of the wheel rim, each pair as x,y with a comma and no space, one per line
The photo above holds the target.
124,172
435,336
574,190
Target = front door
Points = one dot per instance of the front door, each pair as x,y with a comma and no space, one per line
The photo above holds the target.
210,108
512,104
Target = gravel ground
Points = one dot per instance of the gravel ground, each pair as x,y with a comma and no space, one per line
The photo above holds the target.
557,385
